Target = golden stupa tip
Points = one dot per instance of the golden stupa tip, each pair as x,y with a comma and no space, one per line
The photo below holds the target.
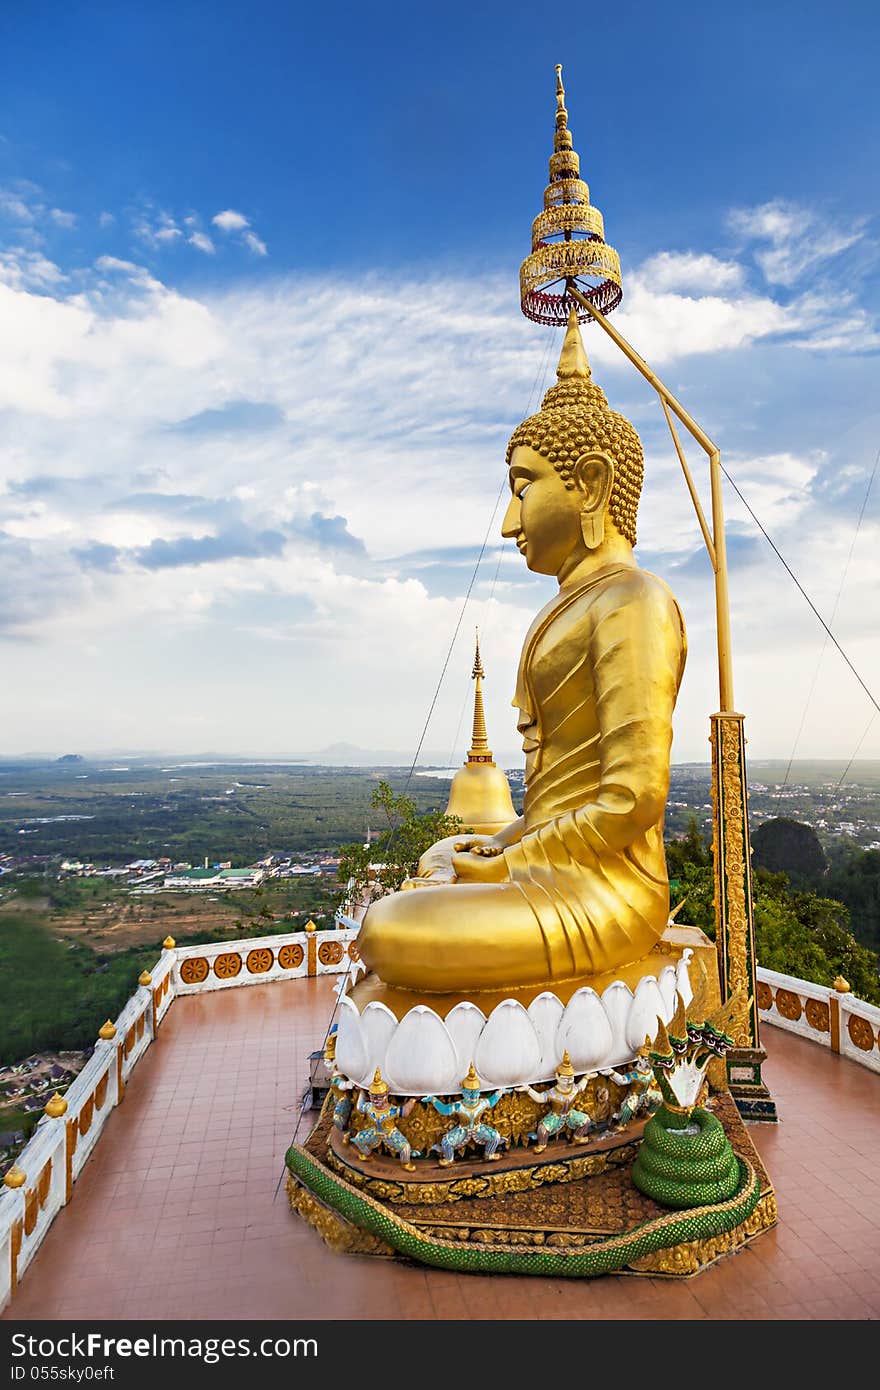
573,358
561,113
378,1086
478,663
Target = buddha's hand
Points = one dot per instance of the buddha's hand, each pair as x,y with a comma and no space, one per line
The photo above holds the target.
435,864
481,862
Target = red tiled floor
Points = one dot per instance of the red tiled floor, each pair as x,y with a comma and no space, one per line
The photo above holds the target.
176,1213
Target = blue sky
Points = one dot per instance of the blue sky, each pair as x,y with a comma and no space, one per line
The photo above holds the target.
260,352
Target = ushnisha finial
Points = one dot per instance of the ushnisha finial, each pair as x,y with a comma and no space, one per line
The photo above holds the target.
568,239
573,358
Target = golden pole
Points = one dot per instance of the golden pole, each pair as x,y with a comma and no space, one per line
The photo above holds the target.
732,856
718,549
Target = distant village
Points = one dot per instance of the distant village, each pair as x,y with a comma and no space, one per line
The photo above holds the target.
28,1085
158,875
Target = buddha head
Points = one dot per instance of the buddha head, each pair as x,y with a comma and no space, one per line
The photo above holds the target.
576,469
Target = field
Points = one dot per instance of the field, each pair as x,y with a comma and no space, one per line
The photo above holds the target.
113,814
71,947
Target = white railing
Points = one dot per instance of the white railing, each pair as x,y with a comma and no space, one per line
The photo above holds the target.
831,1017
224,964
45,1171
51,1162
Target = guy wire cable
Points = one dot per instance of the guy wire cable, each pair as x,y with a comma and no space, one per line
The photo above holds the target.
825,643
787,567
539,374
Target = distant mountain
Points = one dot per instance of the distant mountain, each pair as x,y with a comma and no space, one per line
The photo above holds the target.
70,758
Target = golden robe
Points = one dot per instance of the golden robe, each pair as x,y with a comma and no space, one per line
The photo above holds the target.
587,889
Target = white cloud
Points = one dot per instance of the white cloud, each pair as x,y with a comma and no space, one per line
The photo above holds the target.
14,207
233,222
23,269
157,229
201,242
106,219
668,326
799,239
691,270
255,244
230,221
187,475
67,220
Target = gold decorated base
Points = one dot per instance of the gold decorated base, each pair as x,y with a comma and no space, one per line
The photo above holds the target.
516,1169
535,1205
668,951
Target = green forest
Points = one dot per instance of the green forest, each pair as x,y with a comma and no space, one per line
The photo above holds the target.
813,919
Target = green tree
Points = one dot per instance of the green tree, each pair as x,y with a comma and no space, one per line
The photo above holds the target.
854,878
382,866
797,932
689,848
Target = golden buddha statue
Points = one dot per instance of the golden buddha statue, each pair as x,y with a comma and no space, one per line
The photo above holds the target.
576,887
480,792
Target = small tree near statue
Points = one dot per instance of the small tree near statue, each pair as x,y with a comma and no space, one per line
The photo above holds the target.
371,870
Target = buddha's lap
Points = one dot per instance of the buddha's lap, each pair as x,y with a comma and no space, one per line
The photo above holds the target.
473,935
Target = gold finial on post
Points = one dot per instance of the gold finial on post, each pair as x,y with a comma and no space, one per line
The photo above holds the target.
15,1177
107,1031
55,1107
561,113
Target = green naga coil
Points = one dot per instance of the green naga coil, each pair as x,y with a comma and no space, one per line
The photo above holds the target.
686,1167
605,1256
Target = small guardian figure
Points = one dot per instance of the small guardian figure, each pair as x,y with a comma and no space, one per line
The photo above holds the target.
380,1130
563,1114
340,1089
642,1096
469,1127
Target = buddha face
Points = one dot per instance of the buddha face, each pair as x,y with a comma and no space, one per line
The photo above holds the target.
546,515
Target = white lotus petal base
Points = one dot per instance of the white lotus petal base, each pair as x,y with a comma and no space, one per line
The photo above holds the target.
422,1050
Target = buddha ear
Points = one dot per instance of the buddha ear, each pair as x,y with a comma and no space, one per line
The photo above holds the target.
593,475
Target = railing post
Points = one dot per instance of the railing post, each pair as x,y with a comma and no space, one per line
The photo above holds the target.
840,986
312,947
